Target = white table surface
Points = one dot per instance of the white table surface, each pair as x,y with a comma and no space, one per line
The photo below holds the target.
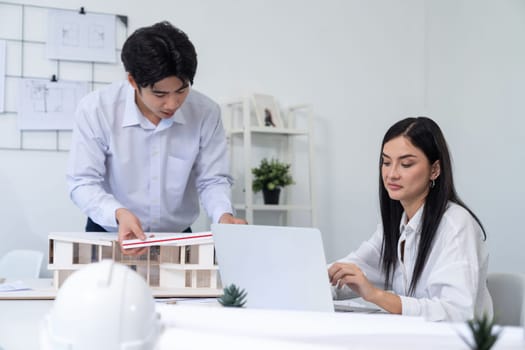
40,288
204,328
19,323
209,327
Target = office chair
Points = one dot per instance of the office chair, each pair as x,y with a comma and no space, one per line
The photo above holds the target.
21,264
508,293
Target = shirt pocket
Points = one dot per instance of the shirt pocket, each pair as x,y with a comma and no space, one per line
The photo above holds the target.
178,173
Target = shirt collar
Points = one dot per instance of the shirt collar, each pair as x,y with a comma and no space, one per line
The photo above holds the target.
133,115
178,118
414,224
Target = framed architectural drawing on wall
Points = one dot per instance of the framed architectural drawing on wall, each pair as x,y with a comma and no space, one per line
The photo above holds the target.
48,105
81,36
267,111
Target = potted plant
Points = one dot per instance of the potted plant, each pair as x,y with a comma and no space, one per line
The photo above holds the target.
269,178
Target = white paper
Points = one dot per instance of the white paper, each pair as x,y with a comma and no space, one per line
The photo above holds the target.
2,74
13,286
47,105
81,37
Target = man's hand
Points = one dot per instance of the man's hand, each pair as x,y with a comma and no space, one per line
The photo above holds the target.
129,227
228,218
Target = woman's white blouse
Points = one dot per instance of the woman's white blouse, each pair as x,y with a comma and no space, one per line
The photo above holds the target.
453,285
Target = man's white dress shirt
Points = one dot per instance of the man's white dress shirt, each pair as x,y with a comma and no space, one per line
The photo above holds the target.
119,159
453,285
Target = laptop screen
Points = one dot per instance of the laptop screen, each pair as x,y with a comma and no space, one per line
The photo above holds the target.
279,267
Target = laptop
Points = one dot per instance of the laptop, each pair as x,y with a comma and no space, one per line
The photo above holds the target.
279,267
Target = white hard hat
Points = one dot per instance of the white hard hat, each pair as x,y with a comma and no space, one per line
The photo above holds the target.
103,306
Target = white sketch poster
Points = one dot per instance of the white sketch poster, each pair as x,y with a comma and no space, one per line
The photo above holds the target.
81,37
48,105
2,74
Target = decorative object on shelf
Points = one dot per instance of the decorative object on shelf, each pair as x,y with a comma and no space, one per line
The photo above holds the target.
483,334
233,296
267,111
268,120
269,177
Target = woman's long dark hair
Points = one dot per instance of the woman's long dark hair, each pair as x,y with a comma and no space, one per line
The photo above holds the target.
426,135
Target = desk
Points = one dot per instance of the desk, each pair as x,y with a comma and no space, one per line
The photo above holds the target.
41,289
19,323
205,327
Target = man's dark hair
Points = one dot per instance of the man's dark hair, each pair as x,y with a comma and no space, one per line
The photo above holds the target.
153,53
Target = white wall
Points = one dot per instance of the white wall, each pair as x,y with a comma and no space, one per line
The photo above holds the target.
362,65
476,85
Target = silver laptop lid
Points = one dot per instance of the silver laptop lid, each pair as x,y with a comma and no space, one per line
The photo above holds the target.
279,267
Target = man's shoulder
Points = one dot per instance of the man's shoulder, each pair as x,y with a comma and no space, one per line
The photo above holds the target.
197,99
110,94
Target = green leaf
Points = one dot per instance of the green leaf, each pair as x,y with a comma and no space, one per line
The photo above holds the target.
233,296
483,333
271,175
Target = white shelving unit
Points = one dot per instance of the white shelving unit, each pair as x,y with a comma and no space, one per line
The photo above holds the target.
292,143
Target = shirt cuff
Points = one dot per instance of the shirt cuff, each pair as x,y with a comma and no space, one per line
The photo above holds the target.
105,215
410,306
220,212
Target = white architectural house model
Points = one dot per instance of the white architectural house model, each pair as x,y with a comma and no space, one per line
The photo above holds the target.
177,264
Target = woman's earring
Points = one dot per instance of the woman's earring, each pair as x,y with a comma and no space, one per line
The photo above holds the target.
432,183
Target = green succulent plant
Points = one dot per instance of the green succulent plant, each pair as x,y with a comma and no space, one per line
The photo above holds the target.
233,296
271,174
483,334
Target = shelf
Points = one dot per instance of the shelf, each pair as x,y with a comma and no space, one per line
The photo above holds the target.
272,207
291,140
268,130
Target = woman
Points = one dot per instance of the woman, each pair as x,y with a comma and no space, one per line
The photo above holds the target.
429,252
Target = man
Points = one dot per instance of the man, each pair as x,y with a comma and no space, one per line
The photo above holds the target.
145,149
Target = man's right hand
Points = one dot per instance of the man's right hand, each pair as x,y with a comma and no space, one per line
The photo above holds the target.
129,227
